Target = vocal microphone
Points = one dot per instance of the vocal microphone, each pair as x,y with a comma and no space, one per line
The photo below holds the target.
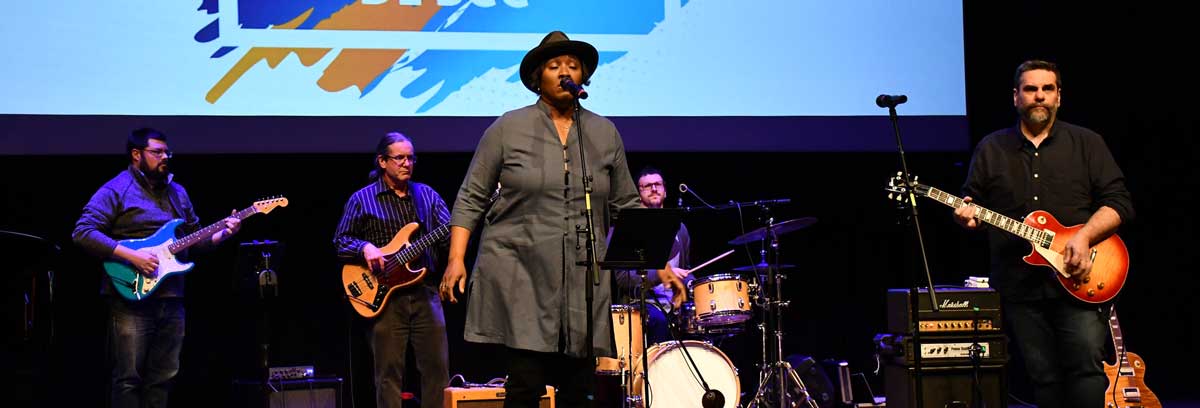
682,189
890,101
575,90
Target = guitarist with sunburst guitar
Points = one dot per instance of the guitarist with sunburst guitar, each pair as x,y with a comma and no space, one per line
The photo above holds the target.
1050,174
128,222
389,237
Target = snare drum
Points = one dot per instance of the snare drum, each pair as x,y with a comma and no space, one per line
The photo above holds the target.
670,384
627,333
688,325
721,299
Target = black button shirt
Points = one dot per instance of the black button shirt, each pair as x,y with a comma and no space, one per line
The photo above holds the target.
1070,175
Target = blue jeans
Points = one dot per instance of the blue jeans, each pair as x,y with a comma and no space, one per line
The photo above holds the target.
1062,342
412,315
145,338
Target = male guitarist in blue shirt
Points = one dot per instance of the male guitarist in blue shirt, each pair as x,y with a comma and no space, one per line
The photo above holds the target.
144,336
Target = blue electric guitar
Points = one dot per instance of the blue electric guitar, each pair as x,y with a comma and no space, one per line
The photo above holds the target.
163,244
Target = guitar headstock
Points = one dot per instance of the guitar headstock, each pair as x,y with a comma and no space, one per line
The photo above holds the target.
267,205
898,190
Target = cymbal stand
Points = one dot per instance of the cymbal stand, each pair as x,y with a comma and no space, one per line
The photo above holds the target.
777,371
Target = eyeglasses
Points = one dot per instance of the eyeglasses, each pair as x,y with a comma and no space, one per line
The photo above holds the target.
651,186
400,158
164,153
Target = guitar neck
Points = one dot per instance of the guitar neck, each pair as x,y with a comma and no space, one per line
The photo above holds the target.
1119,345
416,248
207,232
1018,228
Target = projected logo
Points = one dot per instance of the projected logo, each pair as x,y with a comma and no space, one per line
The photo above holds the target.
449,42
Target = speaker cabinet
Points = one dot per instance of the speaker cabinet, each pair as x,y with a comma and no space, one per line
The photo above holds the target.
312,392
945,386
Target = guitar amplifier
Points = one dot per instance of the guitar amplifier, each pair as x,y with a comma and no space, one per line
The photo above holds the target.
486,397
945,386
942,350
321,392
956,313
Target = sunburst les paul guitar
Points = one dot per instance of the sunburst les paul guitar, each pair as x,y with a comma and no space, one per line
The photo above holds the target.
135,286
1048,237
1127,378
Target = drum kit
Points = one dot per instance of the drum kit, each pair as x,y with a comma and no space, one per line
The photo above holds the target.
690,370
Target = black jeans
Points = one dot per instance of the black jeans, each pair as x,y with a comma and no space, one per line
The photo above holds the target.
145,338
1062,342
529,372
412,315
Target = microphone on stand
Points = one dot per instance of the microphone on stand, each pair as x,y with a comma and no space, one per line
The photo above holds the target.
682,189
712,399
890,101
575,90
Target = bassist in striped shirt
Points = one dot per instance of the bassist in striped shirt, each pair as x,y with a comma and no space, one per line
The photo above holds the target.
412,313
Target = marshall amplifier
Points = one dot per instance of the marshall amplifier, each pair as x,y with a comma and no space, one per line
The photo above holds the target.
942,350
956,313
946,386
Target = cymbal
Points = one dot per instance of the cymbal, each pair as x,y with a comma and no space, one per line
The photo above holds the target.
761,266
780,229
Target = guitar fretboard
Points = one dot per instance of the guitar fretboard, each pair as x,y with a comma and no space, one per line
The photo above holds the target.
415,249
1034,235
1124,368
207,232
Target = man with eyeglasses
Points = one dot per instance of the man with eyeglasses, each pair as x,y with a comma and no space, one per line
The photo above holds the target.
146,336
653,194
413,314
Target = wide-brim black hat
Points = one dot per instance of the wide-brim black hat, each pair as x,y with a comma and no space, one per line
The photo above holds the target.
554,44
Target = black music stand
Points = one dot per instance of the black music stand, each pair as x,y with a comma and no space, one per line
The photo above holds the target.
641,239
257,284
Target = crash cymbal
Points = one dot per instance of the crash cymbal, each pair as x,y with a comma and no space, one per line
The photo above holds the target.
761,267
780,229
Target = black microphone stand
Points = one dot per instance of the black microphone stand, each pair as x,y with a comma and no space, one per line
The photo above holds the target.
914,291
589,231
976,353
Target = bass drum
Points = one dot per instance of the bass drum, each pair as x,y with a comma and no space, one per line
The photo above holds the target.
673,383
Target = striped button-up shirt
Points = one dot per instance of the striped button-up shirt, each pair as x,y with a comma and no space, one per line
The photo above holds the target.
375,213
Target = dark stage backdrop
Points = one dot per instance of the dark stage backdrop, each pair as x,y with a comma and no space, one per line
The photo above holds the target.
1124,77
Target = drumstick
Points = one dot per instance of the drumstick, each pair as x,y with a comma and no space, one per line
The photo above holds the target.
711,261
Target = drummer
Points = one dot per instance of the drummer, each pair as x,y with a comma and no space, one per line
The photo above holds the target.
654,193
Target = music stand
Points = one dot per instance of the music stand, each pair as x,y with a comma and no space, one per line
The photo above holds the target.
256,283
641,238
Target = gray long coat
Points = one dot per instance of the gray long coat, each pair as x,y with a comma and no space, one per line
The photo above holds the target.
526,289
